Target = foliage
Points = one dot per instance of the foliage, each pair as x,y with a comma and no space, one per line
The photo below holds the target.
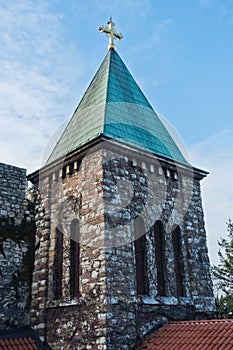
224,305
223,274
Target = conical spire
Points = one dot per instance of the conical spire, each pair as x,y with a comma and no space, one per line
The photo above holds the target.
114,106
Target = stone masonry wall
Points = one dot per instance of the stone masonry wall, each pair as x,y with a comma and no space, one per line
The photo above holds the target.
12,193
106,191
16,247
67,194
135,185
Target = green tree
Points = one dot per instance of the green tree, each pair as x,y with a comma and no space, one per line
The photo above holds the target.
223,274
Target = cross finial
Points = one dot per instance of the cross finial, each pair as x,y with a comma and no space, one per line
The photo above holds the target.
111,33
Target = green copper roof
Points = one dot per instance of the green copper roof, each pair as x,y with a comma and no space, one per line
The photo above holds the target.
115,106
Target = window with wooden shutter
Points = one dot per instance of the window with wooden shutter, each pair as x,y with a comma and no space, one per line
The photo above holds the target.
178,260
58,265
140,256
74,259
160,257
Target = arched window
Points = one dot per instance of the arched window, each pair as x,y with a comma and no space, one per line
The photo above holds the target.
58,265
160,257
140,256
178,260
74,259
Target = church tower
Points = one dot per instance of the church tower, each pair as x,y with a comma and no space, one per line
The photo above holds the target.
120,241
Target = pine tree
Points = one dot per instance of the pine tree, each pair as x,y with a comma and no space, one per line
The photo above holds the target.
223,274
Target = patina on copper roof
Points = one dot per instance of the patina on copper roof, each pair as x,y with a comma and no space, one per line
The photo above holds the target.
114,106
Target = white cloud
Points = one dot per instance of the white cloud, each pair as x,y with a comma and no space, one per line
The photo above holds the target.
215,155
36,76
38,69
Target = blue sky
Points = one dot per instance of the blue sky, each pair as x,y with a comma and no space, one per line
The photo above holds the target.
180,52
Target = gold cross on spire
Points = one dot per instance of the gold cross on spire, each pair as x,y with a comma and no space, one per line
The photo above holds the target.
111,33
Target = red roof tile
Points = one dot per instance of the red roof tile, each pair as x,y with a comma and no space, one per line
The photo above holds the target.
18,344
191,335
21,338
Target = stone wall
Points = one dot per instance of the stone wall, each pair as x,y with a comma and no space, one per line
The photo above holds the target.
106,190
155,190
13,186
71,192
17,232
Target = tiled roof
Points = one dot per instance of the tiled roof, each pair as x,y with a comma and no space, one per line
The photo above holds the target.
191,335
114,106
22,338
18,344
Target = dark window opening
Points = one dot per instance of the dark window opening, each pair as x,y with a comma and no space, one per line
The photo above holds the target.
58,265
74,259
178,260
160,257
140,256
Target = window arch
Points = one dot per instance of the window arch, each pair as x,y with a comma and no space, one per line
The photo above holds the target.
58,264
140,256
160,257
74,259
178,260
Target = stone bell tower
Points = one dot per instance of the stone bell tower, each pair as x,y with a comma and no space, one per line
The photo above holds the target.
120,241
